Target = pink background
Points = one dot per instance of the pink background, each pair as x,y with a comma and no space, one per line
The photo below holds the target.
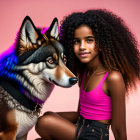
42,12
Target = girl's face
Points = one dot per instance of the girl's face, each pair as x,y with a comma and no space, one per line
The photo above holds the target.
84,44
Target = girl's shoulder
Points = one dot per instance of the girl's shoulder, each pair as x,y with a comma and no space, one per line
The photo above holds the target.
114,76
115,84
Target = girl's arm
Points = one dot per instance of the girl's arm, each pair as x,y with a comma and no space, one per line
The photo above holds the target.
116,88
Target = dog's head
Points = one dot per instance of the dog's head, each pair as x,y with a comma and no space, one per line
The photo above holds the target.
40,59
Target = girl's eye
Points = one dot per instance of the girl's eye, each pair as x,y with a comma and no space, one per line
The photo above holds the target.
51,61
89,40
76,41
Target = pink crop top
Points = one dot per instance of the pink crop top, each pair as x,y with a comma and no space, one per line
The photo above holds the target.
95,104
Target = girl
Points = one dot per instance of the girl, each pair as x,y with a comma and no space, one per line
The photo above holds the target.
103,54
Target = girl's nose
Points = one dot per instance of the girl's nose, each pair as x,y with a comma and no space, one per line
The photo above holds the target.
82,45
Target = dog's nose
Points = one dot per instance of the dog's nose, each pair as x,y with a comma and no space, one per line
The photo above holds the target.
73,81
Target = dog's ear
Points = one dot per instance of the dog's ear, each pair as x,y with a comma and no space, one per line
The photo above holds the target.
28,31
53,29
27,35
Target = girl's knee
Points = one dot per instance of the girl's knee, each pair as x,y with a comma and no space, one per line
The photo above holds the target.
49,113
45,121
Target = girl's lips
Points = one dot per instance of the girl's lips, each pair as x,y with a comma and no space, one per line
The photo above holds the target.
84,54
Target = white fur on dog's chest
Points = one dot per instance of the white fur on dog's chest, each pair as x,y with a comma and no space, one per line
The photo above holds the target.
25,123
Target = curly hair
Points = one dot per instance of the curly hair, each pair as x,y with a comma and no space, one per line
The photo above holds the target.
112,36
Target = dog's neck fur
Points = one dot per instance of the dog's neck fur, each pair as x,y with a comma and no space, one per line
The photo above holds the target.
23,95
15,94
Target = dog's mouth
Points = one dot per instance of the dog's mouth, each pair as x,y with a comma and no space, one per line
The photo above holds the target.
55,83
52,81
64,86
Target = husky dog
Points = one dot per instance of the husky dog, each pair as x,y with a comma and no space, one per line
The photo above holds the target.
28,76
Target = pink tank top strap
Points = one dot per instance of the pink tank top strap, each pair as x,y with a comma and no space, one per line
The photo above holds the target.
83,78
101,82
103,79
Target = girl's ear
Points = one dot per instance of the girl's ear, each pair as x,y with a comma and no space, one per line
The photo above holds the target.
97,48
100,49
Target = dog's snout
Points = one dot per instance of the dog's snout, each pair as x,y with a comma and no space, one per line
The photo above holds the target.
73,81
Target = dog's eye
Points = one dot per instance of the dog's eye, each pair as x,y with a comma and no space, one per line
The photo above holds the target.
50,60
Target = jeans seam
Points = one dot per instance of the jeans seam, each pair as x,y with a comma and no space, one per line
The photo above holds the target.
101,134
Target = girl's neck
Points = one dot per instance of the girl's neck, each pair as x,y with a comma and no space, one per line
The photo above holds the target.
95,65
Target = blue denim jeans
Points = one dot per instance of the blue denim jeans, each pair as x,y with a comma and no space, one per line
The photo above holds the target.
91,130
